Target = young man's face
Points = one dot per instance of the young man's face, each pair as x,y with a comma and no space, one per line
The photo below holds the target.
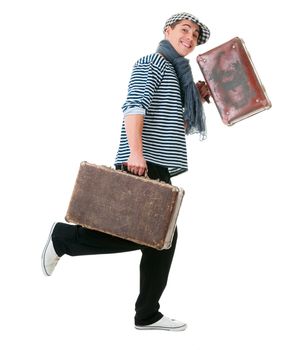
184,37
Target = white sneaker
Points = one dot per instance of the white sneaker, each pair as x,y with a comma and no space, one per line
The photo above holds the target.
49,255
165,324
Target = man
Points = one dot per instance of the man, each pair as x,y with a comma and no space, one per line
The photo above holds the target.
163,104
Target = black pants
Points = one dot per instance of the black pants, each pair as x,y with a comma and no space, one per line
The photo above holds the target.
154,266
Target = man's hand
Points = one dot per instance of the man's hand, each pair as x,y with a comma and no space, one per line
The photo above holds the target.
136,164
204,91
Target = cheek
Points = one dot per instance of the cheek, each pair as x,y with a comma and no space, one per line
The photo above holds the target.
171,39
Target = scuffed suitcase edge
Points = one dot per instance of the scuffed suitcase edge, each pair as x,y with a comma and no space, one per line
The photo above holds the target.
173,220
157,246
141,178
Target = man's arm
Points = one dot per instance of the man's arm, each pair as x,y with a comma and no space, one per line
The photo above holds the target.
134,126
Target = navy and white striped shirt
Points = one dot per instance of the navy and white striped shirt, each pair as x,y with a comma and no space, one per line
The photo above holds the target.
154,92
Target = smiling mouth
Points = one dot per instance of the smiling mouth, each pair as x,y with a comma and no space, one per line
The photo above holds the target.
186,45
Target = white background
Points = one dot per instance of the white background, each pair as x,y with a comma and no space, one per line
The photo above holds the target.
65,66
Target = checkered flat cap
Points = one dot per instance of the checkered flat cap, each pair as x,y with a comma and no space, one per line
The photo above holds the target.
204,30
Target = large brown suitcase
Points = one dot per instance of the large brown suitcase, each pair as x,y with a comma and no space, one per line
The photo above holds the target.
233,81
127,206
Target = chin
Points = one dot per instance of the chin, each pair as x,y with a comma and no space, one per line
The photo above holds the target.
185,52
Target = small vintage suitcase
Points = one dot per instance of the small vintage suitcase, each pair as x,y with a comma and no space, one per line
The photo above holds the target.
127,206
233,81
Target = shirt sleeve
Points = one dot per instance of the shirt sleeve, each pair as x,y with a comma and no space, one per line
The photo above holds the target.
146,77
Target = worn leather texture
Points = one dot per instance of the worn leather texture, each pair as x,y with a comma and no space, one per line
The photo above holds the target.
127,206
233,81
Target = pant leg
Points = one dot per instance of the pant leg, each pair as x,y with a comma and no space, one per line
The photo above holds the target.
154,271
154,268
76,240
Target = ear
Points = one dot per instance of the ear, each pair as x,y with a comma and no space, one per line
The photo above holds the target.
167,31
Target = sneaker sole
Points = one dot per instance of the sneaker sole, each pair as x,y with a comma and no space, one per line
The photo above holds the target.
171,329
45,249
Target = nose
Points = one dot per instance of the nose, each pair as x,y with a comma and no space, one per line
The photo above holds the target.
190,39
190,36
